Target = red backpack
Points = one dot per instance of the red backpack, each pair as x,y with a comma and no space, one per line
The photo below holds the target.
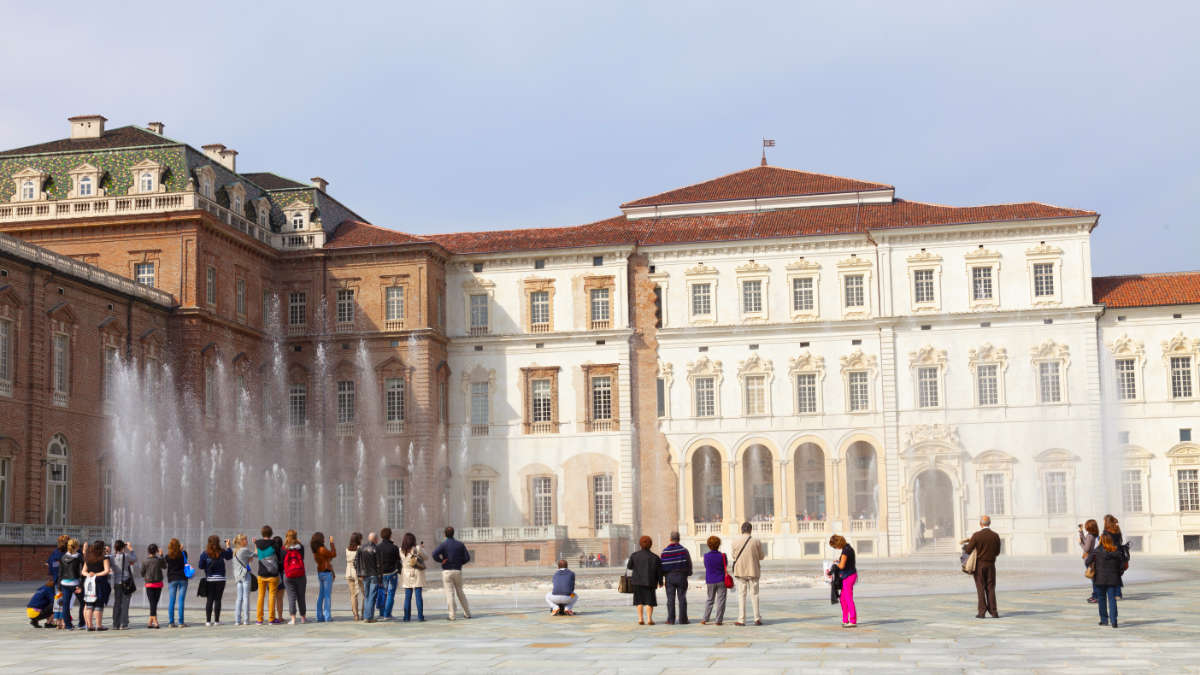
293,563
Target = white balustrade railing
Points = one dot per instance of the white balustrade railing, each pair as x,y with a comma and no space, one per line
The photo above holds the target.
810,526
523,533
762,527
862,525
709,528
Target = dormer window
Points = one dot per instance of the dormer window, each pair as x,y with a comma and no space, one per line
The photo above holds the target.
297,221
28,191
237,205
146,182
297,214
27,184
146,177
85,182
85,187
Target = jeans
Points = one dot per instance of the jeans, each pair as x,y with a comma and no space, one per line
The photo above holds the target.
1106,599
268,590
716,596
212,601
452,581
295,594
408,595
177,589
120,617
324,596
68,592
370,595
677,585
241,608
747,586
849,611
387,594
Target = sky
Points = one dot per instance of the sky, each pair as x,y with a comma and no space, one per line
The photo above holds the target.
441,117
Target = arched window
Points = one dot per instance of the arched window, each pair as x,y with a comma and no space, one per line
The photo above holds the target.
297,221
146,182
85,186
28,191
56,481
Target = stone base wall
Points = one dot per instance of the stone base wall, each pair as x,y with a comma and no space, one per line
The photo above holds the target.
24,563
514,553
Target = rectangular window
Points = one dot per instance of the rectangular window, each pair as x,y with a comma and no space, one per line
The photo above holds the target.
62,364
806,393
480,414
345,305
393,298
661,392
345,401
143,273
297,405
110,372
241,297
1043,280
6,357
1189,490
297,309
981,283
706,401
346,507
296,506
479,313
543,501
923,286
1181,377
860,397
57,503
393,404
987,384
751,296
5,472
210,390
756,395
539,308
481,503
854,291
1056,492
814,499
1049,384
1131,490
394,503
993,494
542,403
927,387
701,299
1126,379
600,307
802,294
602,502
106,496
602,398
210,286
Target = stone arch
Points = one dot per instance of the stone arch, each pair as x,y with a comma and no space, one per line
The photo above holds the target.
707,484
810,478
863,479
756,480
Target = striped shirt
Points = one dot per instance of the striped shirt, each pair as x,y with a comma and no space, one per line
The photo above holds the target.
676,558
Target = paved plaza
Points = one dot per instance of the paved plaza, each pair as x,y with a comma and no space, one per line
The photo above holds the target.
916,614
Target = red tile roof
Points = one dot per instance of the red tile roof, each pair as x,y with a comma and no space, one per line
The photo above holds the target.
355,233
612,231
760,181
1147,290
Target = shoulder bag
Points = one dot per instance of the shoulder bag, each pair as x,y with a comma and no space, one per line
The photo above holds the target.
202,588
253,578
968,566
1090,572
728,577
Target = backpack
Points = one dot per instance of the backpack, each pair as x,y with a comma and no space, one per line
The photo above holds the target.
293,563
268,562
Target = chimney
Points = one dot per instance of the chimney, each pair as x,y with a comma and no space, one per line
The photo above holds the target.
87,126
229,159
320,183
217,152
156,127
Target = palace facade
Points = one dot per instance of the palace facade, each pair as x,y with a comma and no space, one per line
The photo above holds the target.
806,352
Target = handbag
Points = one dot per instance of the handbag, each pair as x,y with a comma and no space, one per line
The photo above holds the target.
417,562
253,579
728,577
188,570
128,587
202,588
623,585
1090,572
968,566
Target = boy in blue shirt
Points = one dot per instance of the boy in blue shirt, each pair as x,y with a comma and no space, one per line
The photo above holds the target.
41,605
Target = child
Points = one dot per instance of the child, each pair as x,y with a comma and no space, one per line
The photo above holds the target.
41,605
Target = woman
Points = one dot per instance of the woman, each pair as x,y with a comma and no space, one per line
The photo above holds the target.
70,575
715,564
1113,529
1108,562
212,563
243,579
152,579
356,589
96,567
849,574
323,556
1089,539
294,576
123,560
177,581
647,575
412,575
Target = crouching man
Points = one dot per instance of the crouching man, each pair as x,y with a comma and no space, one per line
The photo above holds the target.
561,597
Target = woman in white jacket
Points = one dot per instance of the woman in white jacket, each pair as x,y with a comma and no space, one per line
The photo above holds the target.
412,575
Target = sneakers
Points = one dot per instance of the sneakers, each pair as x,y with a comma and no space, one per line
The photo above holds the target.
207,624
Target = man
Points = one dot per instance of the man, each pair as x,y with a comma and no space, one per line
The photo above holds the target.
41,605
561,597
453,555
389,572
677,567
986,545
270,563
366,565
747,552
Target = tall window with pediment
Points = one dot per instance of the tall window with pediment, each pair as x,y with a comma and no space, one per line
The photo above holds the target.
1050,362
28,191
993,494
1131,490
57,485
7,334
394,404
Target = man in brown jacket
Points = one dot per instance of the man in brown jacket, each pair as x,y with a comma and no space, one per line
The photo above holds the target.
747,552
986,544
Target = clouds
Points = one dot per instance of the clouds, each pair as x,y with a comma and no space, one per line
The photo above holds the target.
482,115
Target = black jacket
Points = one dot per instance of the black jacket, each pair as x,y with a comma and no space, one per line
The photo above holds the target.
367,561
1109,566
646,567
389,557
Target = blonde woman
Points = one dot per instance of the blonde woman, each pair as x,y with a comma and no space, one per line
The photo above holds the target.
243,577
70,576
356,587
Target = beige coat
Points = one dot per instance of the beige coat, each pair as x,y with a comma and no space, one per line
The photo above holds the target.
411,577
350,556
746,564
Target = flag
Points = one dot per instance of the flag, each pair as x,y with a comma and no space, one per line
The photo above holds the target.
768,142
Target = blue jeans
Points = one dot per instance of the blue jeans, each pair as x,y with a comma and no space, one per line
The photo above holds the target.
408,595
370,593
387,594
1106,599
324,596
241,610
176,588
68,593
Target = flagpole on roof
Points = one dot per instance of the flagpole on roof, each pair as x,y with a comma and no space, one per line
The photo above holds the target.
766,143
